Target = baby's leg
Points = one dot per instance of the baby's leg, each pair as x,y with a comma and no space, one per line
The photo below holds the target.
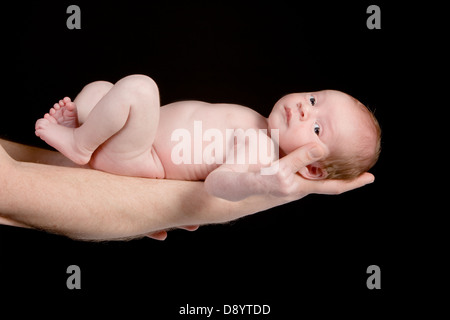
89,96
123,122
73,114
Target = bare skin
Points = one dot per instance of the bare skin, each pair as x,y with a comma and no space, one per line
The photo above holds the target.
122,129
114,207
109,206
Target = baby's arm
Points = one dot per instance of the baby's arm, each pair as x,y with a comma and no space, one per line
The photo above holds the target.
235,182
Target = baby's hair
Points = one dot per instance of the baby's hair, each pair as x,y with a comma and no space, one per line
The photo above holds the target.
350,166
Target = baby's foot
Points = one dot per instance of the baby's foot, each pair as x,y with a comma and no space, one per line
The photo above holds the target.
63,113
62,139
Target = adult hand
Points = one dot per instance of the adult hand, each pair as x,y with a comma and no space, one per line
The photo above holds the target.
286,183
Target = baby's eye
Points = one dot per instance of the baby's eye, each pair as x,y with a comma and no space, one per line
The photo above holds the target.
312,100
316,128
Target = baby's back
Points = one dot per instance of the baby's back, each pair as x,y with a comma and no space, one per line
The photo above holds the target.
194,137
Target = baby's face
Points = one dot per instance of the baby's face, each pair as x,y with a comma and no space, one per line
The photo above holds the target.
331,118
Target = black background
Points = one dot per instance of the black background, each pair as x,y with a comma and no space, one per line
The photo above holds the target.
307,256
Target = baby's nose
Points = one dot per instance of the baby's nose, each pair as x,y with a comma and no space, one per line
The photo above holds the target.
303,112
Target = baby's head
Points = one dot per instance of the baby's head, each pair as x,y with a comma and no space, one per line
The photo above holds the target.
348,132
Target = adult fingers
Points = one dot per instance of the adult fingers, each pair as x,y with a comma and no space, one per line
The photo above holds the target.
162,235
189,228
302,157
338,186
158,235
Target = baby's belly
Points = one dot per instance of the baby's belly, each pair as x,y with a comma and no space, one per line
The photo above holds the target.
184,170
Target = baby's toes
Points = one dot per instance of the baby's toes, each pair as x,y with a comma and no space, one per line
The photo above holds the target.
49,117
69,104
56,106
41,124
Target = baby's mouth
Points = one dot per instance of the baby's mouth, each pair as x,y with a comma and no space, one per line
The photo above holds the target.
288,114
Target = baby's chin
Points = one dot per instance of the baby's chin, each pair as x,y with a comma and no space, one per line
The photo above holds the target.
284,151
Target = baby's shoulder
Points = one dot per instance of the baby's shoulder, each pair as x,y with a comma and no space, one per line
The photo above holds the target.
230,115
242,117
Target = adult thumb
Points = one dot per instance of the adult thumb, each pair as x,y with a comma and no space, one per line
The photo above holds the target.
315,152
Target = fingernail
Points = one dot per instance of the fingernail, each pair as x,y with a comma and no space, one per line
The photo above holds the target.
315,152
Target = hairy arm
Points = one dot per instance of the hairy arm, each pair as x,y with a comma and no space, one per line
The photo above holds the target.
24,153
89,204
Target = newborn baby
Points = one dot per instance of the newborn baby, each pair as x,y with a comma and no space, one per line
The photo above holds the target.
122,129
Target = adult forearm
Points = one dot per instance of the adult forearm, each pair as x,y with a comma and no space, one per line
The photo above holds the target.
89,204
25,153
9,222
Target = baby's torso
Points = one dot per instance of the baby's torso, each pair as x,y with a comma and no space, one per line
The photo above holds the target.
191,135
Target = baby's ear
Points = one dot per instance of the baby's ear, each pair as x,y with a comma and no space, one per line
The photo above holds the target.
313,172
